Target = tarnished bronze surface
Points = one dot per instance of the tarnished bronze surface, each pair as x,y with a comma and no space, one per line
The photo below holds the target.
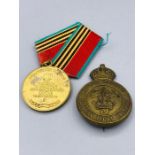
46,88
104,102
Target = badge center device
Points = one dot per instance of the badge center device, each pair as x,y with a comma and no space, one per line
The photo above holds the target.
104,102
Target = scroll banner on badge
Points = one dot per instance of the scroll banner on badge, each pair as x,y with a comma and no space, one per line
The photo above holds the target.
69,49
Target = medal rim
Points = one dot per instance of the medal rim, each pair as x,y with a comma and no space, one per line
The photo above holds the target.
50,109
109,124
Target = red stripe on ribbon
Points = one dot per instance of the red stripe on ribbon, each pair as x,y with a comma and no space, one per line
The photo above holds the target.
48,54
82,55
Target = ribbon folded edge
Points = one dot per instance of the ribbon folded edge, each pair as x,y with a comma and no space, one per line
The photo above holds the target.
53,34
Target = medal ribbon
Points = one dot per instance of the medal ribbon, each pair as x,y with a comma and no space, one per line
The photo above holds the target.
69,49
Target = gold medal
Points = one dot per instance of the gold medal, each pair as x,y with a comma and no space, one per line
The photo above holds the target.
104,102
46,88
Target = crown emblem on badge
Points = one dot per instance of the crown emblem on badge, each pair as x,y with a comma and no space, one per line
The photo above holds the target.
102,73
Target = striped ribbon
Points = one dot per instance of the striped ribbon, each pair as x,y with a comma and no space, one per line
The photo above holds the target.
69,49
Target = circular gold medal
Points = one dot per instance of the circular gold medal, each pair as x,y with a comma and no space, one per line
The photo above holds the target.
46,88
104,102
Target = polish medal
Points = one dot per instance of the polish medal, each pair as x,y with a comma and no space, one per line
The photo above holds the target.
69,51
46,88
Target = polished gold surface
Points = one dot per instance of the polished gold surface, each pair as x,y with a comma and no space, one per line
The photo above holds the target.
104,102
46,88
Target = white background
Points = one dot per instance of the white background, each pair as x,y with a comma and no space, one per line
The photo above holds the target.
144,82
